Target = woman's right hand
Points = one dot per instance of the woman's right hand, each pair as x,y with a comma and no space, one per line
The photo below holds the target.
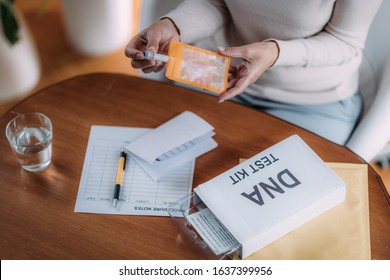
155,38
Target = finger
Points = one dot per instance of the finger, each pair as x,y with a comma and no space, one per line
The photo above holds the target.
159,68
228,94
135,48
232,69
154,68
231,77
238,88
231,83
133,53
148,70
242,72
143,63
153,41
238,52
236,68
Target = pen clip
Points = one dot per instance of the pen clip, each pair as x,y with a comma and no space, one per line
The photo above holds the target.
124,155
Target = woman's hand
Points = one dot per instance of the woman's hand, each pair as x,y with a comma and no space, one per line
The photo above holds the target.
155,39
257,58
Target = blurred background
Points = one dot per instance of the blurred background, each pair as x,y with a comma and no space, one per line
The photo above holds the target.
53,26
59,59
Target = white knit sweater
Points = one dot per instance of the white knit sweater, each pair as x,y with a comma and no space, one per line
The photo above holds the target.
320,41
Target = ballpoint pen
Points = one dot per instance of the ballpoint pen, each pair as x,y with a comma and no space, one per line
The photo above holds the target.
119,176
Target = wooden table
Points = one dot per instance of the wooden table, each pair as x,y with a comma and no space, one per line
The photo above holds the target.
37,218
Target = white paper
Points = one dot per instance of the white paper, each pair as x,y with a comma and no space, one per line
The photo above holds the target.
179,140
213,232
139,194
158,169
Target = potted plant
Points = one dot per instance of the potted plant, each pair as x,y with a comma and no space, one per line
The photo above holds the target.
19,63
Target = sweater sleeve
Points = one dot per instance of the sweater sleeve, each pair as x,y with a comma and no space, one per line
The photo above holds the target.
199,19
342,39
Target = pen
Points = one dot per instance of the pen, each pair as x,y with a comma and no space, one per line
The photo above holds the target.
119,176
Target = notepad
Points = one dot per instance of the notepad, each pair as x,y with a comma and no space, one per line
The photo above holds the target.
140,195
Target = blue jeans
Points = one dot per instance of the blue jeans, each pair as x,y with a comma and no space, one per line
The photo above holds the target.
334,121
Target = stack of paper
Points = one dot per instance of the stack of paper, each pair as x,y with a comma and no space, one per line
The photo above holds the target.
139,195
172,144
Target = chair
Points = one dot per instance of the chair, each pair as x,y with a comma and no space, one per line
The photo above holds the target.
370,137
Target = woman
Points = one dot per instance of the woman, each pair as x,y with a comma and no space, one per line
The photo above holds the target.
299,60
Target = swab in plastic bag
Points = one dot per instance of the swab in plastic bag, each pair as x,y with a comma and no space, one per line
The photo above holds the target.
195,66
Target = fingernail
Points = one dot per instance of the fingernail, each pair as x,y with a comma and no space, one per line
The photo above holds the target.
139,55
221,100
152,49
221,49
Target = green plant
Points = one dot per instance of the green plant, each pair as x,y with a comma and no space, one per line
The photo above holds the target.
9,23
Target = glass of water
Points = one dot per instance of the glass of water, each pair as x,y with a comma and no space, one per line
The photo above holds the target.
30,136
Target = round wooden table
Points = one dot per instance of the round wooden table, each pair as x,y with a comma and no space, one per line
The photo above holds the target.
37,218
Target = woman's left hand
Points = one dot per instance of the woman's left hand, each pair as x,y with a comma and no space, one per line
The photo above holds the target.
257,58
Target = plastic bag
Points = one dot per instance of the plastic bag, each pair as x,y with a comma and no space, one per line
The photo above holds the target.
195,66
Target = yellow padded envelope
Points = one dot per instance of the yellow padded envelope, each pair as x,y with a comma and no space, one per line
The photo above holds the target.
341,233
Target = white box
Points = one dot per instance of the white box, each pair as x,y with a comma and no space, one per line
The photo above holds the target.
264,198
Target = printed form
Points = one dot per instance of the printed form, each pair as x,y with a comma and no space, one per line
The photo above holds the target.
139,195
